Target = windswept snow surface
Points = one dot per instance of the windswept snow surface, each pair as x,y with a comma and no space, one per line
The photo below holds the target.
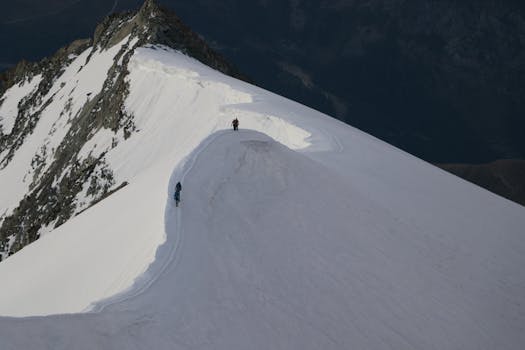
303,234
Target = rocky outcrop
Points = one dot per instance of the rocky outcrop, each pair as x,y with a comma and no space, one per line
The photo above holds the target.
50,69
154,24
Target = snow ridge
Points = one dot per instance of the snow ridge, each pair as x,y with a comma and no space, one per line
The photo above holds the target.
166,253
296,232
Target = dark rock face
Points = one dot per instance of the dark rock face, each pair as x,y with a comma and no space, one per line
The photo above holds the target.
159,25
443,80
504,177
59,175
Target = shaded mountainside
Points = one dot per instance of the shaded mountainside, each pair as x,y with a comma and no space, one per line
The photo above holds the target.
50,110
504,177
442,80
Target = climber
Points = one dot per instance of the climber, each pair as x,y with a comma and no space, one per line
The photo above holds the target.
178,188
235,124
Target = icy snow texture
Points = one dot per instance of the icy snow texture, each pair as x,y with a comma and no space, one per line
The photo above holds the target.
330,239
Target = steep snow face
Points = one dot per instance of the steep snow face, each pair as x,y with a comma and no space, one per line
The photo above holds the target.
329,238
190,101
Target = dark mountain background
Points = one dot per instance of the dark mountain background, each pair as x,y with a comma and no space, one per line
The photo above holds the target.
443,80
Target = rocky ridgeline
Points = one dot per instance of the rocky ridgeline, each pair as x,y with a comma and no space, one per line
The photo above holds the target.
58,175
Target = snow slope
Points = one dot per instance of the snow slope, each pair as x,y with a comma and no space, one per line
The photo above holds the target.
327,238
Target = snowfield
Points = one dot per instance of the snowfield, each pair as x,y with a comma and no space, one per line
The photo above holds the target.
297,232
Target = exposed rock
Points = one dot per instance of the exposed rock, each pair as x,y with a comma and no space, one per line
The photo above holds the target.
51,69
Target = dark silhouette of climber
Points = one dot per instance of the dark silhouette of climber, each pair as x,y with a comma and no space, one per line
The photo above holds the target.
178,188
235,124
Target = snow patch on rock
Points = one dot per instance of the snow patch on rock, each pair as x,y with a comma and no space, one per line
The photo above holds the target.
11,99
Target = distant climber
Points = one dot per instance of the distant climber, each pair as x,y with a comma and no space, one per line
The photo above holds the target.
235,124
177,198
178,188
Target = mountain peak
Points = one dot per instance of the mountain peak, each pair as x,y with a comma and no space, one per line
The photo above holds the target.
149,7
156,25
